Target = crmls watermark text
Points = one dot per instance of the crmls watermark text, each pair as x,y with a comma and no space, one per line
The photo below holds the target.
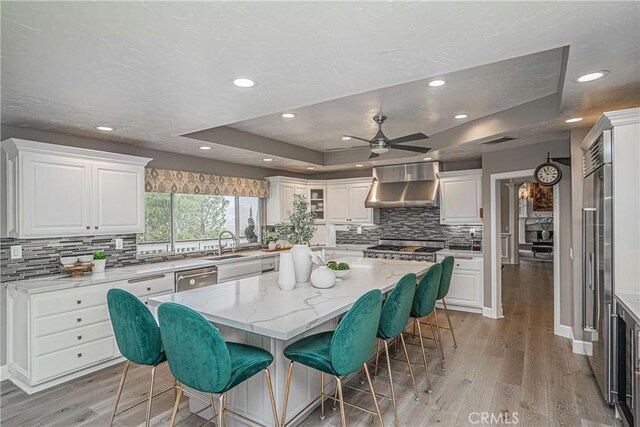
503,417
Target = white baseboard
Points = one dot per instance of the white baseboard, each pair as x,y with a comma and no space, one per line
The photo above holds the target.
455,307
4,373
490,312
564,331
583,347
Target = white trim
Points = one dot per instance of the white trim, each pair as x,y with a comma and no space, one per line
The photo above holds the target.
489,312
563,331
457,307
556,260
4,373
608,120
466,172
583,347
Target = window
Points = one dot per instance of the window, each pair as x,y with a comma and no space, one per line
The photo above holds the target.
176,222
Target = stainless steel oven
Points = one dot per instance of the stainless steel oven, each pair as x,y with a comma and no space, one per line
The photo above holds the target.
627,367
196,278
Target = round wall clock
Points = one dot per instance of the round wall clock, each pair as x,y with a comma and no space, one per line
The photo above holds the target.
548,174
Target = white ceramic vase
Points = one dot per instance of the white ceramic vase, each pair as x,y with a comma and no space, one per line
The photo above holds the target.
99,265
272,246
323,277
301,262
286,273
546,234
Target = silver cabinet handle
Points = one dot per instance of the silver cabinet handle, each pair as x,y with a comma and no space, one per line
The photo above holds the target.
79,337
79,319
96,227
79,302
587,270
79,354
144,279
88,227
211,273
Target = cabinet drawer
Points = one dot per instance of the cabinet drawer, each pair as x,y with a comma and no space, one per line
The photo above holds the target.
72,359
150,285
68,300
72,320
72,338
467,264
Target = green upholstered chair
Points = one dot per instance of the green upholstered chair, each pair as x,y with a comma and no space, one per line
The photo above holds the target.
424,304
138,338
200,358
445,283
393,321
340,352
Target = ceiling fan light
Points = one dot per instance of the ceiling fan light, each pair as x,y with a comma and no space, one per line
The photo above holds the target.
380,150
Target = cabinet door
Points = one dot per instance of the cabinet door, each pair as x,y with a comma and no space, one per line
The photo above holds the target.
358,212
338,203
118,198
465,288
460,201
56,196
286,200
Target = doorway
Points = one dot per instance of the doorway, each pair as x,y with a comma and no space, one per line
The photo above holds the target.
550,219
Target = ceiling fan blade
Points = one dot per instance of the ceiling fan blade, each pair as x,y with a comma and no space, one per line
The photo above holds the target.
374,155
412,148
408,138
345,148
357,137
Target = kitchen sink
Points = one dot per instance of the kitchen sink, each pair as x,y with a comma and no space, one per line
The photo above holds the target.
220,258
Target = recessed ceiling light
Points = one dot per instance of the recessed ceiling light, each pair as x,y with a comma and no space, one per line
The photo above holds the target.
461,116
436,83
244,83
204,147
105,128
346,138
310,168
427,158
268,160
359,166
575,119
591,76
288,115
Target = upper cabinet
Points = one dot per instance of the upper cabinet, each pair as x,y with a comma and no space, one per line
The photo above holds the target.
461,197
333,201
56,191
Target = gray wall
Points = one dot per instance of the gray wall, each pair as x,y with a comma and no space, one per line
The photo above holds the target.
529,157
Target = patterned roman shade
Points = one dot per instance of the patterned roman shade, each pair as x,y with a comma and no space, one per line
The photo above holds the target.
170,181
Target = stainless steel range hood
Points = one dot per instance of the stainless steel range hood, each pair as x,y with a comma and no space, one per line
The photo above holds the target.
403,186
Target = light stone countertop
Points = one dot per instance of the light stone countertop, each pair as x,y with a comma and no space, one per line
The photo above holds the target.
454,252
631,303
257,304
63,281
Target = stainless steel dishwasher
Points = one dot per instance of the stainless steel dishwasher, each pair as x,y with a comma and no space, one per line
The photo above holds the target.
196,278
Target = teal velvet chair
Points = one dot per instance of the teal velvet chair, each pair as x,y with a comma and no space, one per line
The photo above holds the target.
200,358
340,352
138,338
445,284
393,321
424,304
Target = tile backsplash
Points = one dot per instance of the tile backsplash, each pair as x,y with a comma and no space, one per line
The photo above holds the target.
409,223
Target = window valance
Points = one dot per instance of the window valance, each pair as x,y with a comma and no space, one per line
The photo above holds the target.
170,181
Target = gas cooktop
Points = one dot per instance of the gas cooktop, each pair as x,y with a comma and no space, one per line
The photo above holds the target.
408,246
393,248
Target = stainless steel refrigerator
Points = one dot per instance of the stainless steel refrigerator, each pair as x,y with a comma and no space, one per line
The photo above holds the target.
597,257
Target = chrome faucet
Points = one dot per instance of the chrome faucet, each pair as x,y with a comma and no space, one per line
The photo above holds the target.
221,247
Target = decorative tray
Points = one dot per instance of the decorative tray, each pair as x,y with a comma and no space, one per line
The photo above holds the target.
76,270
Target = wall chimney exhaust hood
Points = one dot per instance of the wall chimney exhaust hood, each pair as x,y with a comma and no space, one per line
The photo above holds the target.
411,185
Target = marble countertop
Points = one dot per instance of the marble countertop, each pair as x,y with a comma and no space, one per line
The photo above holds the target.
631,303
455,252
257,304
63,281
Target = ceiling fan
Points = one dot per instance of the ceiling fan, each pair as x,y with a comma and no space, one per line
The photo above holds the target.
380,144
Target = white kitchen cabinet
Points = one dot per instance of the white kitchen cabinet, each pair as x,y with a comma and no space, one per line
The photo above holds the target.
461,197
56,191
60,335
345,200
338,196
465,292
280,202
357,210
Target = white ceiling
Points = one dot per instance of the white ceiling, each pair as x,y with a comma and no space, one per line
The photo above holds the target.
159,70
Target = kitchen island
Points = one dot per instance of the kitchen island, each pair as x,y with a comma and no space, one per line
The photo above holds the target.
256,312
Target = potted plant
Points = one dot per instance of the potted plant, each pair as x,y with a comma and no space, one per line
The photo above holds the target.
299,231
99,261
271,237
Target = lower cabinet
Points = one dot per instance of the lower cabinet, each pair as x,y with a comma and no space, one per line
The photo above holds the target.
465,292
59,335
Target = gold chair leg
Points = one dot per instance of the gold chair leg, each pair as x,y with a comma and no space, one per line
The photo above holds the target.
375,370
393,393
437,341
446,312
335,399
175,406
221,415
153,375
406,354
286,394
119,393
273,400
424,355
214,413
373,394
341,398
439,337
321,395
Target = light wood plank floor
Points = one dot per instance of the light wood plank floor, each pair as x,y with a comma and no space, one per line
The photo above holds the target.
512,365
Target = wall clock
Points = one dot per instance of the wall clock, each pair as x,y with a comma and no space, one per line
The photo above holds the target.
548,174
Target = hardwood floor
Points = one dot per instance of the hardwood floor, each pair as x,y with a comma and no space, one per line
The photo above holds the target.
513,367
